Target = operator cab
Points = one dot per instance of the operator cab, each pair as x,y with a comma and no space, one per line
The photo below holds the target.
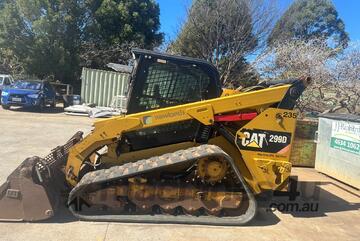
162,80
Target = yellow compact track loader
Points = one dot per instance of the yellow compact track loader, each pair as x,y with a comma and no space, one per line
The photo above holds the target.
187,151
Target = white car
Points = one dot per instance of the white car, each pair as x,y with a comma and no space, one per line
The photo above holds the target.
5,80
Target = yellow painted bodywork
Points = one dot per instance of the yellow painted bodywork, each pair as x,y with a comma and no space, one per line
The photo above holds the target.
112,159
270,169
227,92
260,171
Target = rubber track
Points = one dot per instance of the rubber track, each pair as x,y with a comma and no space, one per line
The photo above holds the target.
154,163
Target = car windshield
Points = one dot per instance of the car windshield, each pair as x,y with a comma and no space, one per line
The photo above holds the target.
1,80
29,85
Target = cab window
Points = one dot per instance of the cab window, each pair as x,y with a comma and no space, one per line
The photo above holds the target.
169,85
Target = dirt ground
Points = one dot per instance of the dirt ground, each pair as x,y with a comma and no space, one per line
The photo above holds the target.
333,213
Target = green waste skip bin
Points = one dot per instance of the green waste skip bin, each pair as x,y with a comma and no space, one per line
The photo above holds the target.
338,147
303,151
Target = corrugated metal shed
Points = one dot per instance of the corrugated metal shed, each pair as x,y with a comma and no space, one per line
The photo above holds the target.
100,86
338,148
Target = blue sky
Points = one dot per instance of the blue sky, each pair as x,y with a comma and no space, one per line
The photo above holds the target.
173,12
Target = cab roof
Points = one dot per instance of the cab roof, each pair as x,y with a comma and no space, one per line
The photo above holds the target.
179,59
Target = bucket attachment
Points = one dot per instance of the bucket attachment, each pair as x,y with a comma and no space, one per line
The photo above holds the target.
32,191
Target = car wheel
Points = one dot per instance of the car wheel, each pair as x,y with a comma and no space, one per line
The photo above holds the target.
6,107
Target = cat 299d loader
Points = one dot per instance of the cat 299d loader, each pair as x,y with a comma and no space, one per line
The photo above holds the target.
187,151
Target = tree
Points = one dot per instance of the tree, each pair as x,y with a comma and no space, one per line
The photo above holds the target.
52,37
345,73
115,26
224,32
335,83
307,19
119,21
10,64
44,36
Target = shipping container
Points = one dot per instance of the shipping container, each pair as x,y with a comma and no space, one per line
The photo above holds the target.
338,147
102,87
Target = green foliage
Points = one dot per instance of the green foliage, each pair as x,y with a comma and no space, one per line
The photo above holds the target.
43,35
124,21
242,74
116,26
47,36
308,19
210,29
223,33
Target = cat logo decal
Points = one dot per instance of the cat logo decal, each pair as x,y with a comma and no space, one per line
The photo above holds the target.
256,140
264,141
